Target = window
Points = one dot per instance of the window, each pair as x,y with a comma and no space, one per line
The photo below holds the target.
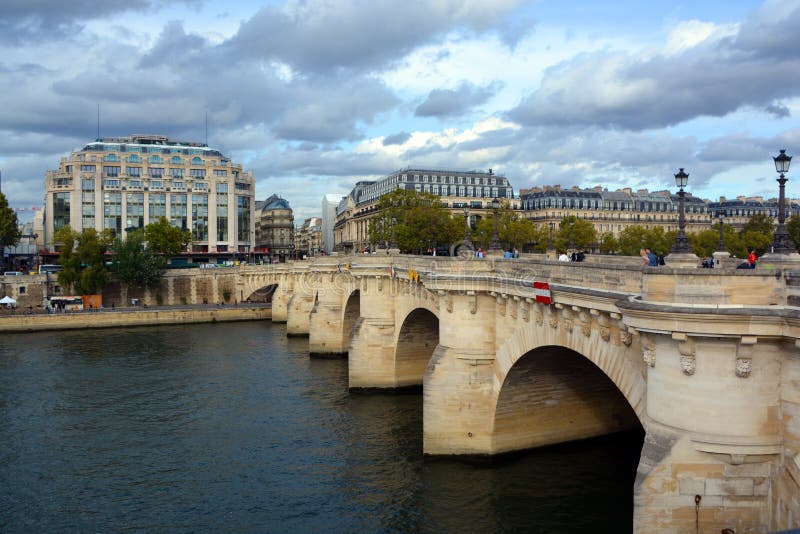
156,171
135,184
200,217
112,212
88,168
243,218
134,216
176,172
242,187
158,206
178,211
176,160
61,208
134,171
111,157
197,173
178,186
220,172
156,184
155,159
222,188
133,158
110,170
200,186
111,183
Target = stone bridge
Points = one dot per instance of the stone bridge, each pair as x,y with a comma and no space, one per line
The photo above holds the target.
706,362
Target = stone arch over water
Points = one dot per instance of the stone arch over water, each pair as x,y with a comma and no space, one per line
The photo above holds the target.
552,395
417,338
352,311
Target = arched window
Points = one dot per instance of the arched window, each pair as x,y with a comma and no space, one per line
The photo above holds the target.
155,159
197,161
176,159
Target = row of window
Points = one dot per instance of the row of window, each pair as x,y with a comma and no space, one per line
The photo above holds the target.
116,170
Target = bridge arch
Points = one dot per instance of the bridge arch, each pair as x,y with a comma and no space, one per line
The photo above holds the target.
417,338
352,311
546,376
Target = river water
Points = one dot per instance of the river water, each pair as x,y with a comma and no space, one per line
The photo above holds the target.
232,427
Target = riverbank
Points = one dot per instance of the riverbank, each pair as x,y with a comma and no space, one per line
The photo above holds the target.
166,315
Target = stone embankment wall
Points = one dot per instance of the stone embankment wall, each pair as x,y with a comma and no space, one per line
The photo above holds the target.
126,318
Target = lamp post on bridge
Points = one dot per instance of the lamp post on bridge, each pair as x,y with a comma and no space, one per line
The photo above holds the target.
782,248
466,249
721,254
494,248
551,249
681,254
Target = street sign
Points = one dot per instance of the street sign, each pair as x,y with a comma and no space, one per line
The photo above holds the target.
542,292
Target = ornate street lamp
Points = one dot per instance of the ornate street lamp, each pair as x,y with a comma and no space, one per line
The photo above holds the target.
393,244
781,243
721,244
467,246
495,246
681,245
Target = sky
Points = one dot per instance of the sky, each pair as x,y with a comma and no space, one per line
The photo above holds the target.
315,95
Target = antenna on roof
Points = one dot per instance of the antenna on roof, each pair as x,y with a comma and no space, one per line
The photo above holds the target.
98,122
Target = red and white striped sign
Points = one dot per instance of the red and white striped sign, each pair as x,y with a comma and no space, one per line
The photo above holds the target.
542,292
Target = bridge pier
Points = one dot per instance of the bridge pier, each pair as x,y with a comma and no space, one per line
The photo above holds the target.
372,345
280,301
459,383
298,320
330,326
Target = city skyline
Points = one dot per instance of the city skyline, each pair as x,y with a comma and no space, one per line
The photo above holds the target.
314,96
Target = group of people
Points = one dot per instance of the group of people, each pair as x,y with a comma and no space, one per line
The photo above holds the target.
650,259
576,256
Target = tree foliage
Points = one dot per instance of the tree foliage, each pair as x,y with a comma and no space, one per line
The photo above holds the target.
135,264
635,238
9,226
793,227
83,259
163,238
578,232
512,230
421,221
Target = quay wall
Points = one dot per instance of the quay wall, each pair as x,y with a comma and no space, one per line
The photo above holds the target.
125,318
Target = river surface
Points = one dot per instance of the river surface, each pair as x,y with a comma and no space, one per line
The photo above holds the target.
232,427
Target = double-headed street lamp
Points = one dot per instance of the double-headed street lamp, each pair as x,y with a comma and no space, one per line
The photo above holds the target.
781,243
681,245
495,246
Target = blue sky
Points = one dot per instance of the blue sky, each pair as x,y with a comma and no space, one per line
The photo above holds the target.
314,95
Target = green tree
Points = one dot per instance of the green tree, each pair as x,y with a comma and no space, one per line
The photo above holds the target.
609,244
421,221
135,264
760,223
83,259
163,238
579,232
636,237
793,227
704,243
9,226
540,238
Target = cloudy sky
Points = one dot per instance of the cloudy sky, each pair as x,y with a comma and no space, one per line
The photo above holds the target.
313,95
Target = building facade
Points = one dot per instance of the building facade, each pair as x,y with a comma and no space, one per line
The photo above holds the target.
275,228
457,190
329,204
308,238
613,211
125,183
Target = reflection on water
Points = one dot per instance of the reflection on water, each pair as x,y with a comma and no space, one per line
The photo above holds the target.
232,427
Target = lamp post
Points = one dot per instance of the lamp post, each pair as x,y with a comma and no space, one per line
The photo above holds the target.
550,243
495,245
681,245
467,246
393,244
571,226
721,244
781,243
